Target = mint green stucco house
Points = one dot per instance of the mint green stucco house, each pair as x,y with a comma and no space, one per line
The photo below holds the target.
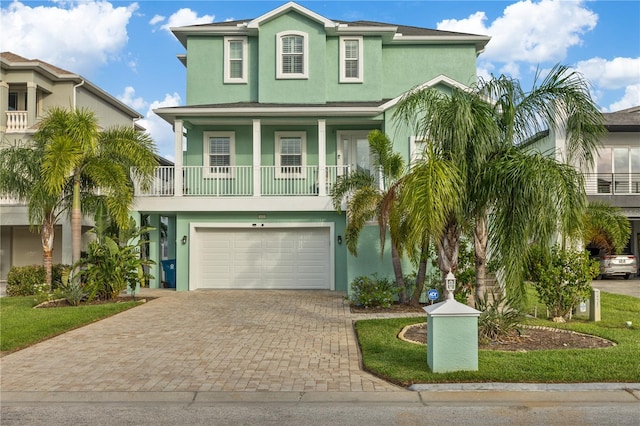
277,108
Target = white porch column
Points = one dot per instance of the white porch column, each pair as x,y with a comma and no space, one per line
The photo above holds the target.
4,105
322,158
178,131
31,104
257,155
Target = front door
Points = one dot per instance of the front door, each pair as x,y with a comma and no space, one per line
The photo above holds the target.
353,151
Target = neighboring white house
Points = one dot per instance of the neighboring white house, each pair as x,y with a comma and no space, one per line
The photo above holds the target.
28,87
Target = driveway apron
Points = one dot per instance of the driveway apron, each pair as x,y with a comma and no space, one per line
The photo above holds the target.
262,340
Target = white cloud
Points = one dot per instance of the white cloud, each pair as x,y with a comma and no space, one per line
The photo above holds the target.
614,74
85,34
156,19
630,99
523,32
184,17
160,130
128,98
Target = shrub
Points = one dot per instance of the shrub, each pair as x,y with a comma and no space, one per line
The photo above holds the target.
23,280
497,318
373,291
563,280
113,263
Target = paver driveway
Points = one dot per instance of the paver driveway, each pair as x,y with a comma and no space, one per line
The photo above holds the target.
204,341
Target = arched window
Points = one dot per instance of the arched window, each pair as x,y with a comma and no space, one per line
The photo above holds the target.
292,55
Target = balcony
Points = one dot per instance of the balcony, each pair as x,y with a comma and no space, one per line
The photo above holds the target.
244,181
612,183
17,121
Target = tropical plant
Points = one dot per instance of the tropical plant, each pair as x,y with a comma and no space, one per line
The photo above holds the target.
80,156
369,199
606,227
497,319
113,262
21,178
563,279
486,131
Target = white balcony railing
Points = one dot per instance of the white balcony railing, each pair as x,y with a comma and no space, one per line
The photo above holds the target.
6,200
16,121
612,183
238,181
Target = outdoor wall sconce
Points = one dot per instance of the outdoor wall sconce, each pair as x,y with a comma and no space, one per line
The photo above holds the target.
339,239
184,239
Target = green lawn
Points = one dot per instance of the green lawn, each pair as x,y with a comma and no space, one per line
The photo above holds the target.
405,363
21,325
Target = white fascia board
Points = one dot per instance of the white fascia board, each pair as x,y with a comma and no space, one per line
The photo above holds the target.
479,41
254,24
227,204
181,33
441,79
265,112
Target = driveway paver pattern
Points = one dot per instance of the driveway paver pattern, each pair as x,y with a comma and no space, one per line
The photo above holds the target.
228,340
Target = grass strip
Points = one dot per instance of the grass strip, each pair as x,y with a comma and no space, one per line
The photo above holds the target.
22,326
405,363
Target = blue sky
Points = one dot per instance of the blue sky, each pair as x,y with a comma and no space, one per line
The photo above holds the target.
126,48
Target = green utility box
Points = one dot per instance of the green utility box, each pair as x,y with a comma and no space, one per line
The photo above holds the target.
452,337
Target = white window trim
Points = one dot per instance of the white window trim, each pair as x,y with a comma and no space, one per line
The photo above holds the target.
227,61
416,147
343,68
303,160
205,158
305,56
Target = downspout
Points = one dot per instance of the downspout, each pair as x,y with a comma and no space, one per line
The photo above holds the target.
75,94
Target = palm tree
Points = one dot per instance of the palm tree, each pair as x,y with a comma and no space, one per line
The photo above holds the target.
78,154
529,196
606,227
21,178
369,199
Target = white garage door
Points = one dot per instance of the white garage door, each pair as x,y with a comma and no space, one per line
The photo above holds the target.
283,258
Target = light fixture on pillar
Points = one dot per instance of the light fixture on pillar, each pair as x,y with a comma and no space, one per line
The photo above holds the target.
184,239
450,284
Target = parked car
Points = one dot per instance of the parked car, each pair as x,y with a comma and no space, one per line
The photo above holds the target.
615,265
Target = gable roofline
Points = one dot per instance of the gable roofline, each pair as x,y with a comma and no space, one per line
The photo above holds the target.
441,79
10,60
390,33
287,7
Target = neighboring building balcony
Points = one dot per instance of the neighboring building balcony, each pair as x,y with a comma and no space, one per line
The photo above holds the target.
617,189
612,183
261,185
17,122
10,201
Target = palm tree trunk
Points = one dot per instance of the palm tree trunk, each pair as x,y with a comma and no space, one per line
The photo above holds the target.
448,248
480,242
397,270
421,275
76,221
46,237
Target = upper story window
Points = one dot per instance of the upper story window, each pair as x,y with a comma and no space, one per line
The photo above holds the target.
618,170
292,55
235,59
218,153
351,60
13,101
291,153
